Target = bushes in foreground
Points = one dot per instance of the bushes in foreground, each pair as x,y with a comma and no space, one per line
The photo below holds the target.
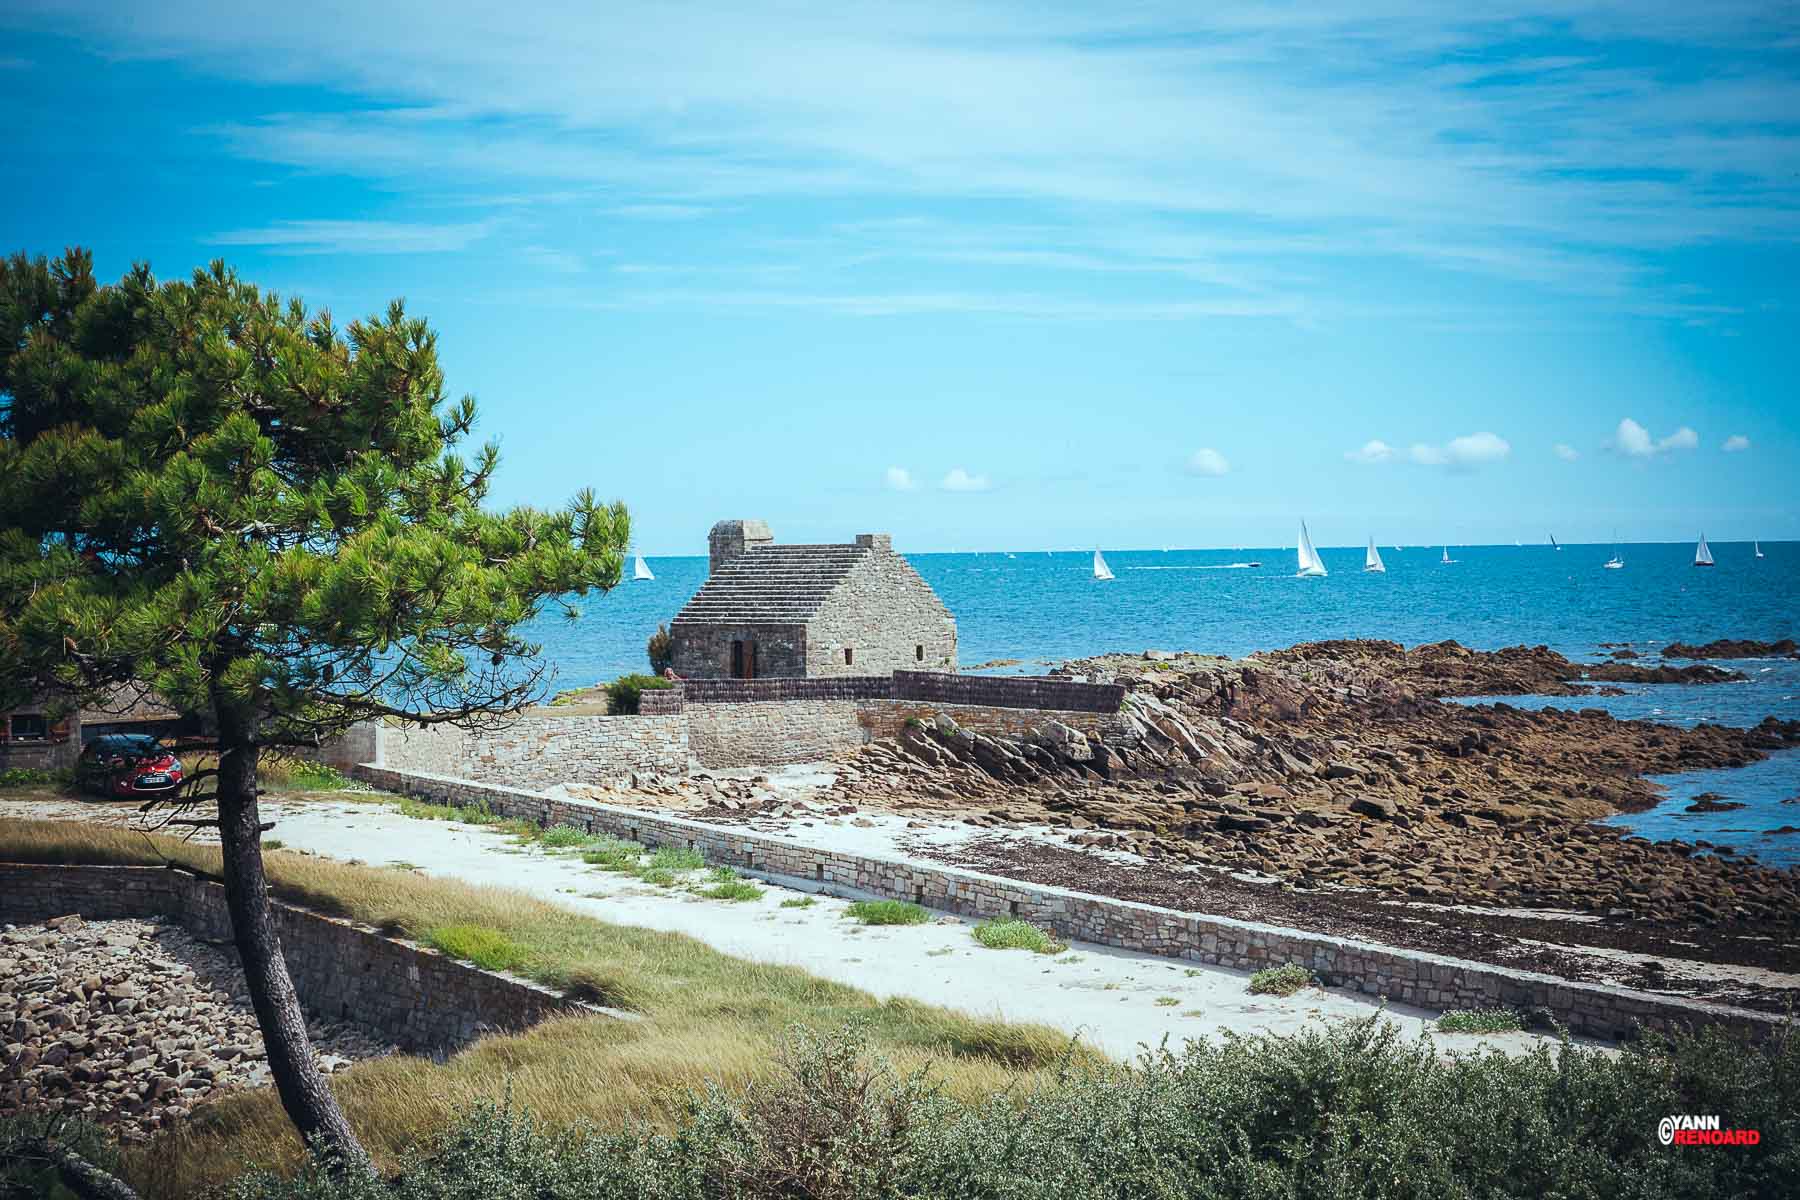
1353,1111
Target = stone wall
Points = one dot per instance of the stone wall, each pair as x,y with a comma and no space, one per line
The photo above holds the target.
745,691
342,971
885,718
704,650
538,750
1430,981
882,617
1009,691
771,733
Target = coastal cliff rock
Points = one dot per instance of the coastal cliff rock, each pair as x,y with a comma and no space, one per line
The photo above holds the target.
1336,764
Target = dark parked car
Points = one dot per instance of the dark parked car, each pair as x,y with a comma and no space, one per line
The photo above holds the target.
127,766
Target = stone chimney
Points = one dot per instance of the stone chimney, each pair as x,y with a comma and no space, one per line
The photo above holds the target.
883,542
729,539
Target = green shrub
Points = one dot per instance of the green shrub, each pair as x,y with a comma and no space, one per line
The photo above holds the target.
477,813
623,692
661,650
488,948
887,912
799,902
1349,1109
20,777
1010,933
1280,981
613,855
676,858
309,776
564,837
1480,1020
732,889
659,876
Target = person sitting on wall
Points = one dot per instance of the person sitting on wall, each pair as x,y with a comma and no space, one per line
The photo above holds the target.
670,675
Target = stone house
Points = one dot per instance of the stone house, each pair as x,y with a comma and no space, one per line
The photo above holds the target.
774,611
44,736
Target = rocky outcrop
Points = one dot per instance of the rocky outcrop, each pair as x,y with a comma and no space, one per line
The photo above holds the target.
1733,648
132,1024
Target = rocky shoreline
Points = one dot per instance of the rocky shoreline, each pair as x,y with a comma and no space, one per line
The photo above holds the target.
133,1024
1335,773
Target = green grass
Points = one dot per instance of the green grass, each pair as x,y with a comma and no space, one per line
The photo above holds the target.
306,776
1010,933
1480,1020
614,856
566,837
731,889
799,902
1280,981
676,858
1167,1001
488,948
887,912
657,876
32,777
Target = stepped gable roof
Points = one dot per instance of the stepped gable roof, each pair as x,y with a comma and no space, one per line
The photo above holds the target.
772,584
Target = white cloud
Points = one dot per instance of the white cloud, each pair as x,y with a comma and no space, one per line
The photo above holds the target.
1735,443
355,237
959,480
1207,461
1566,452
900,479
1477,448
1460,453
1373,451
1634,441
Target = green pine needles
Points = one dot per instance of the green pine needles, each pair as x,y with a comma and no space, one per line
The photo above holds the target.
216,495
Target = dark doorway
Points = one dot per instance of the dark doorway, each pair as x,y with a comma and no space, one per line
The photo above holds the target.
743,660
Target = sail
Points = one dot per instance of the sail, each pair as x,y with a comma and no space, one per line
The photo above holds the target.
642,570
1703,553
1758,546
1101,570
1554,544
1310,562
1446,557
1372,560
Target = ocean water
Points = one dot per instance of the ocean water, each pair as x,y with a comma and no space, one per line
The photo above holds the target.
1041,609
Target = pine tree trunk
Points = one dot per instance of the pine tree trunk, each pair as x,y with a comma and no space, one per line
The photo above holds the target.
302,1087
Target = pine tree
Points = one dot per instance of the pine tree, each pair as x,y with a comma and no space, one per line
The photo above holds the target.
262,519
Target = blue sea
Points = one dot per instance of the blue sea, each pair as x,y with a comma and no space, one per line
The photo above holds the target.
1042,608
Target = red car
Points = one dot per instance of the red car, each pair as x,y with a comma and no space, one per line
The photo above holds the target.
127,766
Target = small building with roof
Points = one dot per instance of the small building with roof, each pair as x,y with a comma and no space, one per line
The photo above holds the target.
784,612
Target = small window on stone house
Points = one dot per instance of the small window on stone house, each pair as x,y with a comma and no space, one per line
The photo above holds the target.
30,727
918,654
849,655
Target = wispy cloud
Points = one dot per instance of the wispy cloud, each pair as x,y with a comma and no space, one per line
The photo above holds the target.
355,237
1736,443
1634,441
960,480
900,479
561,262
1460,453
1444,145
1208,462
1566,452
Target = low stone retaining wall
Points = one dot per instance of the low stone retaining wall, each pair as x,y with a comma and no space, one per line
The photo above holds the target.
773,732
413,995
940,687
539,750
1428,981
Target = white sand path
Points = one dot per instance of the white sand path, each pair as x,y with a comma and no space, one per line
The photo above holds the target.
1118,1001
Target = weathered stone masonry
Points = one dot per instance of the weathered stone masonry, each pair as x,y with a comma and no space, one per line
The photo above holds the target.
1429,981
419,998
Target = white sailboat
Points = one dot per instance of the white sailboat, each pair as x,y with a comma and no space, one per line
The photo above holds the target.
1446,560
1311,565
1554,544
642,570
1758,546
1372,560
1703,553
1616,562
1101,570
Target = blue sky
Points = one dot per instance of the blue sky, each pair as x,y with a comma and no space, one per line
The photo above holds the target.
1001,275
